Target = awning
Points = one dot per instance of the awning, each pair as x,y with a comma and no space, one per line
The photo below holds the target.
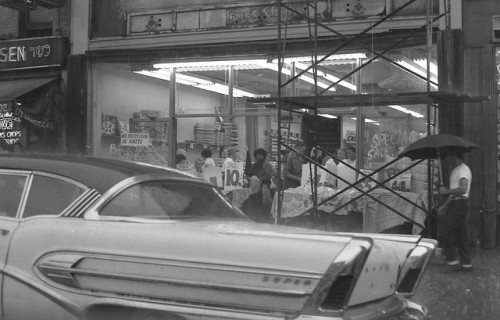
12,89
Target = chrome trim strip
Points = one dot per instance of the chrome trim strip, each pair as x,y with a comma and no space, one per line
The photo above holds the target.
47,269
63,267
81,204
176,263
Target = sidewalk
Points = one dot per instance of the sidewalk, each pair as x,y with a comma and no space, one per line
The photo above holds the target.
464,295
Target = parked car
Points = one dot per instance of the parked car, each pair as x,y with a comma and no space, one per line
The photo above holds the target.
92,238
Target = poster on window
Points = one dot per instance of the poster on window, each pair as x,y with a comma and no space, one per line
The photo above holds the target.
306,176
233,176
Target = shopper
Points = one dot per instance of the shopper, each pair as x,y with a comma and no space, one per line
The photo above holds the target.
263,170
331,165
454,214
231,155
253,206
206,155
293,167
347,169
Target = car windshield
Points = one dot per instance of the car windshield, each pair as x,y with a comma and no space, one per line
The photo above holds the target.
170,200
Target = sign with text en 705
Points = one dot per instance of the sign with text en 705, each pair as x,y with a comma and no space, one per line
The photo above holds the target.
135,139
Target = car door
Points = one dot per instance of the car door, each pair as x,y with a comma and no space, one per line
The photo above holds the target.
12,186
45,198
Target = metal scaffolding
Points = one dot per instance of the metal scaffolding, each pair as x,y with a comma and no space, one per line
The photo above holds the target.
291,104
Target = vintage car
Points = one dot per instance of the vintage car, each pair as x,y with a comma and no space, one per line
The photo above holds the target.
92,238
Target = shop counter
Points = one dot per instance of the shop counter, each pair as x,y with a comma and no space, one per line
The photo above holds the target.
376,217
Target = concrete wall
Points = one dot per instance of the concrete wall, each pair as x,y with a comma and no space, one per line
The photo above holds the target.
8,23
477,20
60,18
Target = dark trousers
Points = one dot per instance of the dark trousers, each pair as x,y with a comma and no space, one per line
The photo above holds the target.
453,231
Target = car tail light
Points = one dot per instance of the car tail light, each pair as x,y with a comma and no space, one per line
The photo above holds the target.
414,267
350,262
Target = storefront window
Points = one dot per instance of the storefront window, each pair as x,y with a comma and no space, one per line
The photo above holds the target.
387,131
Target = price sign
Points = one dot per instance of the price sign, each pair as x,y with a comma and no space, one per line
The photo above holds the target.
233,176
213,175
305,180
400,183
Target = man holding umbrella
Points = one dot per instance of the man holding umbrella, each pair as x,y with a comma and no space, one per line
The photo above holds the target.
454,213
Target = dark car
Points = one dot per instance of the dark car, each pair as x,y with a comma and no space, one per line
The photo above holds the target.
91,238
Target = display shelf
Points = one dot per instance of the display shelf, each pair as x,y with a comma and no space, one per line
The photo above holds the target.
271,142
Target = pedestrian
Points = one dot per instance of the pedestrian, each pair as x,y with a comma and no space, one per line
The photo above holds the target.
293,167
454,214
206,155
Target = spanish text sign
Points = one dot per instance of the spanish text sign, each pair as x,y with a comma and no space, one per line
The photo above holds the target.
135,139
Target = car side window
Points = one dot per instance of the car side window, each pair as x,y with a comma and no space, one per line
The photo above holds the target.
50,196
169,200
11,191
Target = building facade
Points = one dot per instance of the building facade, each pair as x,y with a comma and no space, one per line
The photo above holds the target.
149,77
34,47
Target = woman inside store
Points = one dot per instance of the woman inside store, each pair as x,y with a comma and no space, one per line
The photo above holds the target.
231,156
263,170
293,167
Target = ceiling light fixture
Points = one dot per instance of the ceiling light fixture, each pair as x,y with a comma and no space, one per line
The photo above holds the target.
306,78
369,121
407,111
422,71
197,83
327,76
326,115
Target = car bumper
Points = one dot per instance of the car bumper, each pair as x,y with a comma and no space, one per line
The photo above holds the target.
407,310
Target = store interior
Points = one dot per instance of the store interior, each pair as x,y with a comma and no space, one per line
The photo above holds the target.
137,98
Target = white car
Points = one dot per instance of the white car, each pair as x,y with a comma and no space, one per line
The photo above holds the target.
91,238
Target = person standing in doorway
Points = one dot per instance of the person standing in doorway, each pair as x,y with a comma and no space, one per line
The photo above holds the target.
454,214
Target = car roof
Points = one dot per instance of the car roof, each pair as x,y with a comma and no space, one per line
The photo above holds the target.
98,173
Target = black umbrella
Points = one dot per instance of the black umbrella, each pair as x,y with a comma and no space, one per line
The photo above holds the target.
431,147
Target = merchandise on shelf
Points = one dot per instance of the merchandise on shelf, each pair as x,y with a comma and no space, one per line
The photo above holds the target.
219,134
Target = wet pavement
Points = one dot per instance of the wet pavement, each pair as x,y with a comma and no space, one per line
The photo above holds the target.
464,295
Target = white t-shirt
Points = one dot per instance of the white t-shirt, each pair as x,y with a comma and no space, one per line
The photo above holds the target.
346,173
461,171
209,163
331,166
